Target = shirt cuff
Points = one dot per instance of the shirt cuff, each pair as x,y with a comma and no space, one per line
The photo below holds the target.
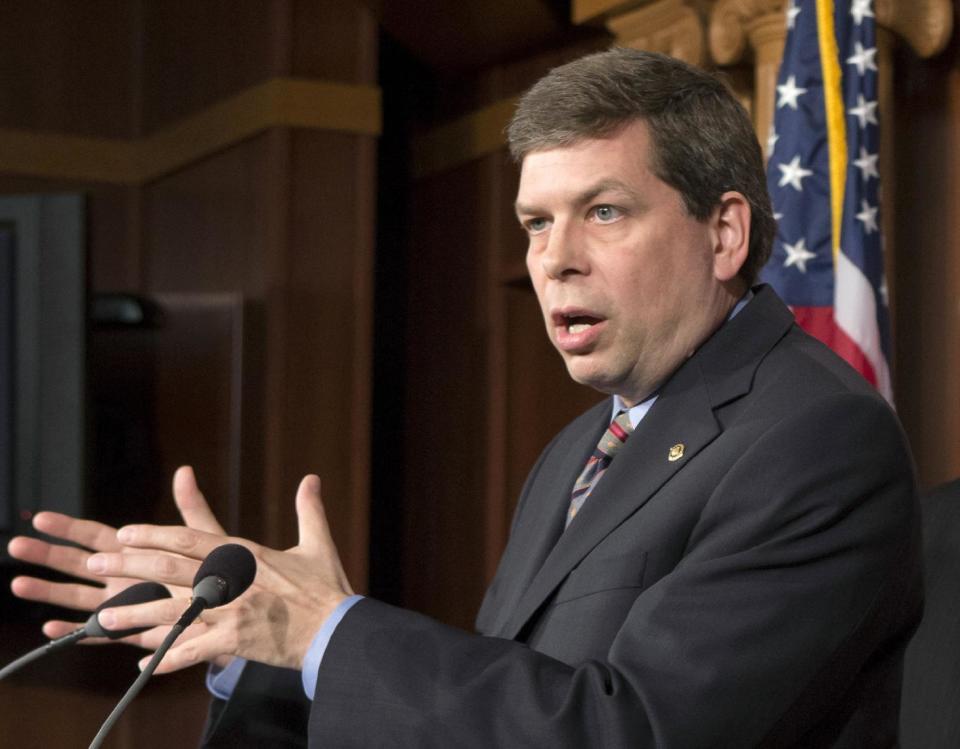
222,681
311,662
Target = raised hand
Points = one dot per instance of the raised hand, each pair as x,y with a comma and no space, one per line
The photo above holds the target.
273,622
93,588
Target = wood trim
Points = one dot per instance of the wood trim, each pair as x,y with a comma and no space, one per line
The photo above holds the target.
474,135
67,157
582,11
279,102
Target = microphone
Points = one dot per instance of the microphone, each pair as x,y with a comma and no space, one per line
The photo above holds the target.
139,593
227,571
225,574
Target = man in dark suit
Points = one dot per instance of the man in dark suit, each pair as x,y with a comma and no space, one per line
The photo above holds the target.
724,556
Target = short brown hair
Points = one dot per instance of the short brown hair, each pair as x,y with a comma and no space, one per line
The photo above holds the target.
703,140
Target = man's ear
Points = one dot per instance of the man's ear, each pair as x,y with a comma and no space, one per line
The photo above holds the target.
731,219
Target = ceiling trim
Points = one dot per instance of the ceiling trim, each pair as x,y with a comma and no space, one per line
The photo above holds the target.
279,102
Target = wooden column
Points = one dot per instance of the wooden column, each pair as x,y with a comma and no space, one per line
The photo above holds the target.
925,25
760,23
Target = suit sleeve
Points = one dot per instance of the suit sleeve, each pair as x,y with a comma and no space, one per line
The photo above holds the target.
802,567
267,709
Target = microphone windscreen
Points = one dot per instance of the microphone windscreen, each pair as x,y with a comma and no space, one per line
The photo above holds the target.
139,593
234,564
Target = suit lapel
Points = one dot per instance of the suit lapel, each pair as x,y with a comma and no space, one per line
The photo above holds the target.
720,371
635,475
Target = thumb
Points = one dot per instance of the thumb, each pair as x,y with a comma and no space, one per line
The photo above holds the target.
193,507
311,518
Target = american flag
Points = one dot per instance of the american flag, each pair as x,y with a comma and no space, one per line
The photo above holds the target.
823,176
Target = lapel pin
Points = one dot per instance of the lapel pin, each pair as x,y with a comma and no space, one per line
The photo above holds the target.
676,452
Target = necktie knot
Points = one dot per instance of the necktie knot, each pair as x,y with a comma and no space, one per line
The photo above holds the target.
616,435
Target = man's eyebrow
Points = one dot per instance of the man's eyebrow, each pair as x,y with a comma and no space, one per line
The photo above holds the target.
589,194
606,185
520,209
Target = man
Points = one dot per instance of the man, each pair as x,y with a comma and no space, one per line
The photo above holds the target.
732,562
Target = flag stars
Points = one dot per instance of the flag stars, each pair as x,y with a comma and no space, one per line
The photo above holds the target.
798,255
792,12
864,59
861,9
772,139
865,111
793,174
867,164
789,93
868,215
884,292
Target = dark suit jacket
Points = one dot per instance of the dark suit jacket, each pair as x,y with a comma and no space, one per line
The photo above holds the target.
930,712
758,590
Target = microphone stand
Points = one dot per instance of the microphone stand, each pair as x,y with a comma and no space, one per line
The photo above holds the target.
49,647
193,611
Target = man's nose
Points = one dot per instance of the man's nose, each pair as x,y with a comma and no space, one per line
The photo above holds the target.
563,254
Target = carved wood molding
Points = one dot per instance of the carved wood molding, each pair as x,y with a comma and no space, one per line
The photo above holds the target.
669,26
732,21
925,25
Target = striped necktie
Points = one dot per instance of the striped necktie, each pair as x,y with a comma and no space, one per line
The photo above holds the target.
609,445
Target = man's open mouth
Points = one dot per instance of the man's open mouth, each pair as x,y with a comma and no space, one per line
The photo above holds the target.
580,323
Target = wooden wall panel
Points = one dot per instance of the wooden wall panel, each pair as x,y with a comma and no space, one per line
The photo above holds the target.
206,226
927,104
328,308
446,398
345,55
194,53
68,67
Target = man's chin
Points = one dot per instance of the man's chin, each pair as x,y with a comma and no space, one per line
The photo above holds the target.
592,377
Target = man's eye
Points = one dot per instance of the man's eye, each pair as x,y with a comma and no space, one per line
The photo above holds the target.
536,225
606,213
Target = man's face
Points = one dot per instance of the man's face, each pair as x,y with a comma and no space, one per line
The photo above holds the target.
624,275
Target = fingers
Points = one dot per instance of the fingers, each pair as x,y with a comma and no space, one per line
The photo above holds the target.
69,595
88,533
56,628
315,537
161,568
193,507
150,614
67,559
311,519
177,539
